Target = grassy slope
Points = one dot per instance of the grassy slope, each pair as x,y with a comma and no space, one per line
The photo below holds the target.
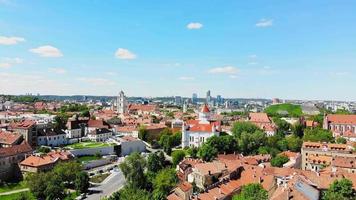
293,110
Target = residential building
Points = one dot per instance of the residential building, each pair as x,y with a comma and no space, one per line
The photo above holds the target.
9,139
196,132
9,159
76,128
27,128
184,191
51,137
263,122
316,156
43,163
99,134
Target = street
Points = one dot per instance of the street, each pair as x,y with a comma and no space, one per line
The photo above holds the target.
110,185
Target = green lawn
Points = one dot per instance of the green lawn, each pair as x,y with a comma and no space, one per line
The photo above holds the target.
84,145
99,178
28,194
17,195
88,158
12,186
279,110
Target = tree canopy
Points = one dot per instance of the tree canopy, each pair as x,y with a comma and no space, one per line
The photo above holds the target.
279,160
133,169
341,190
318,135
252,191
240,127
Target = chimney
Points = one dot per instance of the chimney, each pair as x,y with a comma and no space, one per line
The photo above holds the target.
209,172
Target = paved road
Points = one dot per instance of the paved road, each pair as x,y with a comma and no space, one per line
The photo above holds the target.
110,185
14,191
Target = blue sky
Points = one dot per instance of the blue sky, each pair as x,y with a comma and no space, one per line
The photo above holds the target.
285,49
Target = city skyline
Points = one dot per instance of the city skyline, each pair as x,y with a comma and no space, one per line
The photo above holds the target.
287,50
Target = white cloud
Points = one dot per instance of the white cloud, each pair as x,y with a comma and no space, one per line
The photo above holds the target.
252,63
124,54
10,40
47,51
186,78
57,70
194,25
263,23
224,70
9,62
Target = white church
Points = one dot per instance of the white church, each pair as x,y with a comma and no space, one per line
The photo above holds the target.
196,132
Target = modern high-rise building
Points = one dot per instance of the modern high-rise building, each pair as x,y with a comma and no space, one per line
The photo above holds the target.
178,100
194,98
121,103
219,99
208,97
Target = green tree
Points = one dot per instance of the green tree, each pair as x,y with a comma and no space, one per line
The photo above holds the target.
24,196
143,133
250,142
155,162
283,125
85,113
177,156
133,169
166,141
164,182
279,160
240,127
54,187
341,140
67,171
130,193
207,152
341,190
252,191
37,184
193,152
60,121
318,135
82,182
294,143
298,130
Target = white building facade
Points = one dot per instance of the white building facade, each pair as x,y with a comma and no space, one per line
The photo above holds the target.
196,132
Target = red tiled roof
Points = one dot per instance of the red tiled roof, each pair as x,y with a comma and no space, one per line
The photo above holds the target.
341,119
259,118
202,128
185,186
16,149
8,137
97,124
50,158
23,124
147,108
205,109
